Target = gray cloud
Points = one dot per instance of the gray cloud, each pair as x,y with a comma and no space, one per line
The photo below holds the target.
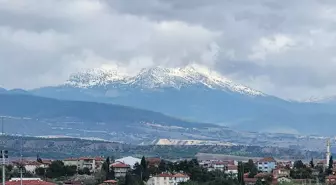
285,48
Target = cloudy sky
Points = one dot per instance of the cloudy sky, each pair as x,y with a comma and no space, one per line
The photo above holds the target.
285,48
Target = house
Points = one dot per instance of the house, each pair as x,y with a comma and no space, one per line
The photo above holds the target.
28,181
30,166
120,169
220,166
231,169
331,179
168,179
250,181
281,172
284,180
131,161
153,162
267,164
92,163
110,182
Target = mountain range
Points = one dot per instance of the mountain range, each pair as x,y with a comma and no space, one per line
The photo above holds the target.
196,94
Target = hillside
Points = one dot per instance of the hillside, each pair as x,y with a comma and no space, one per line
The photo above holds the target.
60,148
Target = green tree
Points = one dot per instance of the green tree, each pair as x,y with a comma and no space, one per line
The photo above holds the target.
331,162
86,171
252,168
241,173
40,171
299,164
145,172
162,166
55,170
311,163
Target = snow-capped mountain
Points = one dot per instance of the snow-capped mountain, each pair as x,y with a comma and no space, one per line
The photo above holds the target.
194,93
159,77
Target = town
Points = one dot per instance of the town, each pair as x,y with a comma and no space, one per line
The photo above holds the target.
157,171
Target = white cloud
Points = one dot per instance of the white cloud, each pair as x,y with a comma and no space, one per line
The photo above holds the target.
285,48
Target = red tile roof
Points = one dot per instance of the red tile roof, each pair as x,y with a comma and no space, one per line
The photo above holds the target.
232,167
181,175
25,162
253,180
267,159
120,165
178,175
29,182
110,181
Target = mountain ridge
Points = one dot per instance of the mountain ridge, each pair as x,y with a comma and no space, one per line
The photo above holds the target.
159,77
197,95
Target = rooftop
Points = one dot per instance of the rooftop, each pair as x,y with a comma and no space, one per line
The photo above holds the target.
267,159
28,181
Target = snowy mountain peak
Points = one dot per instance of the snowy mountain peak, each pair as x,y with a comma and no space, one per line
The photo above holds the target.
160,77
93,77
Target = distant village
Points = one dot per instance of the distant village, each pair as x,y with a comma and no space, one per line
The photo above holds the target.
263,171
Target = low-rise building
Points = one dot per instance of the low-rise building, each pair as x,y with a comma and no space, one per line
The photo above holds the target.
131,161
331,179
110,182
281,172
120,169
168,179
232,169
267,164
28,181
30,166
92,163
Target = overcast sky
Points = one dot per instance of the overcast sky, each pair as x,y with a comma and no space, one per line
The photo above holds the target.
285,48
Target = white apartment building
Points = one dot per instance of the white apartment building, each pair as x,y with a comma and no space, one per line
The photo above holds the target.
168,179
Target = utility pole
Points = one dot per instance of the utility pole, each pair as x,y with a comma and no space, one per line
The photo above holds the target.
3,167
3,153
21,163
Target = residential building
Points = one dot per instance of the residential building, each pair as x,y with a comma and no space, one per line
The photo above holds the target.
30,166
28,181
168,179
267,164
153,162
232,169
120,169
131,161
331,179
281,172
212,165
250,181
109,182
92,163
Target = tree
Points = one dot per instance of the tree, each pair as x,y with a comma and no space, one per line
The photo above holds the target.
252,168
55,170
144,169
311,163
241,173
40,171
86,171
38,159
259,182
299,164
108,170
331,162
162,166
